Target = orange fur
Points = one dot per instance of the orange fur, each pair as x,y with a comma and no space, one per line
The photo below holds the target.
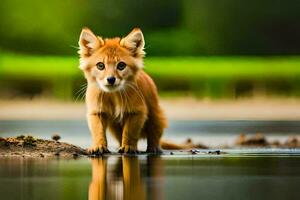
129,108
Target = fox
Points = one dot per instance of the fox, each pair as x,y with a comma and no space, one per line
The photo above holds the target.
120,96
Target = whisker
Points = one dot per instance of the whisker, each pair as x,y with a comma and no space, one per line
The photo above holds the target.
81,92
75,47
81,88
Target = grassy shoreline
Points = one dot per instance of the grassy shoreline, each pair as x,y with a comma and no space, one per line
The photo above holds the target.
215,77
247,66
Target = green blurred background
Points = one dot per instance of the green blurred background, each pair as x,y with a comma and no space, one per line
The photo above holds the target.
205,48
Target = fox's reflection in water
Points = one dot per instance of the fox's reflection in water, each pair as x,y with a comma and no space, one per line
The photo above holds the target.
130,178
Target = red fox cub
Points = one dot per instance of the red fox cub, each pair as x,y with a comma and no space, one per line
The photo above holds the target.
120,96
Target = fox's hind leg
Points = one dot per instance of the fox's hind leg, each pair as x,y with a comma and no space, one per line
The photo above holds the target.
153,139
154,128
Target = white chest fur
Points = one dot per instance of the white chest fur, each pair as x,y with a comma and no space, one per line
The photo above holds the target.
114,105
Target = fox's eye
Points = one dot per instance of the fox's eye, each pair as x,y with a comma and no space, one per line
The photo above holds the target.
121,66
100,65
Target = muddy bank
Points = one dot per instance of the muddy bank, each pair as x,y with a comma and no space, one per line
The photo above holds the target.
259,140
28,146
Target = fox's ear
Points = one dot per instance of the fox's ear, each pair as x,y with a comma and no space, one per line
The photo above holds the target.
89,42
134,41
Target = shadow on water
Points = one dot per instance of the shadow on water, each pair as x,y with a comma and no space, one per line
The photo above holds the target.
152,177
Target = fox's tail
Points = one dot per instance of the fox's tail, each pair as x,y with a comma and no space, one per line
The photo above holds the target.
188,144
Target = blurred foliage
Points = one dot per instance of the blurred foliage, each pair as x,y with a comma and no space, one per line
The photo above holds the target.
171,27
53,27
245,27
213,77
48,32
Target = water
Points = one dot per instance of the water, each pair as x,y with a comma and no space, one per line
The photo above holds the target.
236,174
211,133
151,177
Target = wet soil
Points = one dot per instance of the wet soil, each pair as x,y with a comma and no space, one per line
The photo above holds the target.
28,146
259,140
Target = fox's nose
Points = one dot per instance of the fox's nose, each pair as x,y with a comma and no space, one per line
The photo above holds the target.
111,80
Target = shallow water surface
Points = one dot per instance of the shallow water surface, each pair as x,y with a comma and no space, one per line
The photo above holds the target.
211,133
234,174
227,176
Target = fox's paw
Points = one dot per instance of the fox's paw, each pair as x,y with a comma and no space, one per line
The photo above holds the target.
154,150
130,149
98,149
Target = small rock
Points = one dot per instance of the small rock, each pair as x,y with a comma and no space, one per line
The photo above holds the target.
56,137
194,151
215,152
75,155
188,141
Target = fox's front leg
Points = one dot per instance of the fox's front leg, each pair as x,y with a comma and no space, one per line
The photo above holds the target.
97,125
131,132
